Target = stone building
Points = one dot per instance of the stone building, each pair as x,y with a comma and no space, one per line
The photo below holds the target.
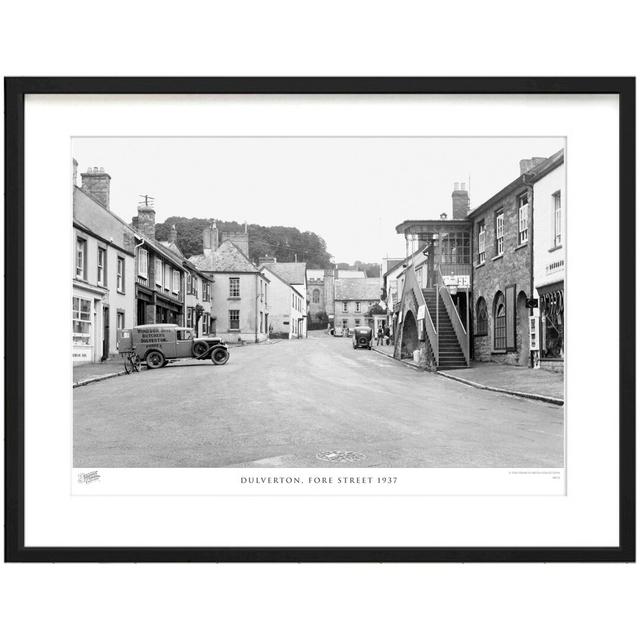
160,274
503,270
103,294
549,247
353,298
198,292
288,309
240,292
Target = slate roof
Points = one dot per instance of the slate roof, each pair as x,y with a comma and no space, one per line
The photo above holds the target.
290,272
357,288
227,258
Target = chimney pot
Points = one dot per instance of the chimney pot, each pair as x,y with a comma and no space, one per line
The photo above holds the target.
97,184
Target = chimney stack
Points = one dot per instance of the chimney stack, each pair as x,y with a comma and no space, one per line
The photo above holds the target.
97,183
239,238
210,238
145,221
75,172
173,234
460,201
527,164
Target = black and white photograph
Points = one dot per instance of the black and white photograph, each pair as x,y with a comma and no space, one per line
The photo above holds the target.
318,302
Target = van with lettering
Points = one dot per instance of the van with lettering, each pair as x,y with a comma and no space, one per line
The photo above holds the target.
159,344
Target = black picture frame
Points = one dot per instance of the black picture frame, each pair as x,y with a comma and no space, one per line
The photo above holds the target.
15,91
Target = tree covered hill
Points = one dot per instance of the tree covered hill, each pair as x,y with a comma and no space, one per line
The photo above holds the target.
287,244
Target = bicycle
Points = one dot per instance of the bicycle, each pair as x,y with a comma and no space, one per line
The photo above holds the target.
131,362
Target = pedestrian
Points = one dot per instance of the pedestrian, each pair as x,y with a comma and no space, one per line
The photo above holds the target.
379,337
387,335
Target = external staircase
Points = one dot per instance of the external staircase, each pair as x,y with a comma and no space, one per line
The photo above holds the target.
450,353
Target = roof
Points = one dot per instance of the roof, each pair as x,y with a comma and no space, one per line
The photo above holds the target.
522,180
290,272
172,246
357,288
227,258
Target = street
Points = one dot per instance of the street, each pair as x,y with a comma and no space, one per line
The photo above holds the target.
284,404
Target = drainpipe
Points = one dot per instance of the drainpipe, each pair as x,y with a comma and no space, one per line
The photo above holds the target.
531,231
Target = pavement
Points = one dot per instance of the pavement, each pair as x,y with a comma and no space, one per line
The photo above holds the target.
536,384
94,372
293,403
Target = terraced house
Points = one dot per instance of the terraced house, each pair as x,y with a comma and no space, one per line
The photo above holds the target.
240,293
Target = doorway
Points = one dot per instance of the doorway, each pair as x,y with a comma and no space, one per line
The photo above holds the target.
523,329
105,332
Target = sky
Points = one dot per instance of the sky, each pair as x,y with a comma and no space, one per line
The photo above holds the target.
350,191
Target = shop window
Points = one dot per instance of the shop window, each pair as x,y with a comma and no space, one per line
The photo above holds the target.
499,324
81,316
552,320
482,319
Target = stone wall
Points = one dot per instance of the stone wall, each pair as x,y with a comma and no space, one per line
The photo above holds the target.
514,267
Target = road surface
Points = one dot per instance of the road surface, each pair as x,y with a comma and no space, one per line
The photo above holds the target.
288,404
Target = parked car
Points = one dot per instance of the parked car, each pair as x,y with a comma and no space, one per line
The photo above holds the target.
159,344
362,337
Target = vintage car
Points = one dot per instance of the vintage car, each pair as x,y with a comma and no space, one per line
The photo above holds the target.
159,344
362,337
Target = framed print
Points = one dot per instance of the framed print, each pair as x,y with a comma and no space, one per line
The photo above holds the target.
320,319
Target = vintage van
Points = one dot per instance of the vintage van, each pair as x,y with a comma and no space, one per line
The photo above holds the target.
159,344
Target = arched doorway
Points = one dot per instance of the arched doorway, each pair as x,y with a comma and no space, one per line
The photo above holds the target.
409,335
522,315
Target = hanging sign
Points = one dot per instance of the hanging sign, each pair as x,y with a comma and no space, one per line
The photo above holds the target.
422,312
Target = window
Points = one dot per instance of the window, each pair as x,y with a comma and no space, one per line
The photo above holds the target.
499,232
176,281
206,293
357,307
167,277
358,322
345,307
234,287
499,324
102,264
120,276
81,258
189,284
158,271
316,296
481,318
261,322
523,218
81,316
345,322
481,242
143,263
190,311
234,320
455,247
195,283
120,320
552,324
266,286
557,220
